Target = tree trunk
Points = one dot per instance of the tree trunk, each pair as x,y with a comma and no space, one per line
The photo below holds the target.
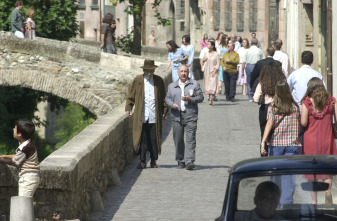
136,47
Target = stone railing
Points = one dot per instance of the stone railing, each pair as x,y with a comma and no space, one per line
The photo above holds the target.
72,175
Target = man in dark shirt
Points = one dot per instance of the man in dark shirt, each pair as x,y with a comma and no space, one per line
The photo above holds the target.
16,20
254,81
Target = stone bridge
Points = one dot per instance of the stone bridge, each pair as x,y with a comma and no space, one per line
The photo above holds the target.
79,73
74,176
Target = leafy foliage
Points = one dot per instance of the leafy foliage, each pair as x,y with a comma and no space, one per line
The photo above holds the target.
74,119
55,19
17,102
124,43
136,11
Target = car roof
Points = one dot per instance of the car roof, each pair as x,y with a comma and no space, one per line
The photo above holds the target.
294,163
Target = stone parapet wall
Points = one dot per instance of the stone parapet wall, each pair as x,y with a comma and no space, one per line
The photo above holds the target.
51,48
89,162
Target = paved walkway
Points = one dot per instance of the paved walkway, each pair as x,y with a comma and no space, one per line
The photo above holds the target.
227,133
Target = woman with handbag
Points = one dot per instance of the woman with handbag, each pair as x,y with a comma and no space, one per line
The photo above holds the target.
283,117
176,57
211,70
265,91
318,108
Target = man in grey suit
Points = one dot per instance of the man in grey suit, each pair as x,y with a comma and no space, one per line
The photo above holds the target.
183,97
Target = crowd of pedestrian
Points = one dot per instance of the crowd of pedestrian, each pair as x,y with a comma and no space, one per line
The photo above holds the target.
295,108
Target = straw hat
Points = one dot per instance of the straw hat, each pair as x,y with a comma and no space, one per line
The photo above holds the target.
149,64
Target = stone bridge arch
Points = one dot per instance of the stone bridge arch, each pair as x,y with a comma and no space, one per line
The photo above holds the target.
56,85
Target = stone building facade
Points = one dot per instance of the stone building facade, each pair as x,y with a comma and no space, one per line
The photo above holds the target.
301,24
196,18
242,17
312,27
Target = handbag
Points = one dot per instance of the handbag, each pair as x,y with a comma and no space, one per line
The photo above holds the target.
261,99
183,61
334,125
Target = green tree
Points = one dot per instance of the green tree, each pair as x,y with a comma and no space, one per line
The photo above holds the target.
137,12
17,102
74,119
55,19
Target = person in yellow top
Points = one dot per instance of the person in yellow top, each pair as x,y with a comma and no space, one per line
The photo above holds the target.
229,63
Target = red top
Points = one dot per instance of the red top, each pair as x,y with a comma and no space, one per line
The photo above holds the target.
318,136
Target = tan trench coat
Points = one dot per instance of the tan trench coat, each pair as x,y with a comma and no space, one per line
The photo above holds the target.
136,98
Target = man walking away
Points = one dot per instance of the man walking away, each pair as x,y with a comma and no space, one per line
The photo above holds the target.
281,56
183,97
298,80
254,80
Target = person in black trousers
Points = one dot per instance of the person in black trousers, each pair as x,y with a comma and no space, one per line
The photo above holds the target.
258,67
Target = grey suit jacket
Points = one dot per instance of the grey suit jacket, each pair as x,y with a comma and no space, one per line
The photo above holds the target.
174,96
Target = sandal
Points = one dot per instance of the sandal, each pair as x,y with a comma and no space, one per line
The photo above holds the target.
141,165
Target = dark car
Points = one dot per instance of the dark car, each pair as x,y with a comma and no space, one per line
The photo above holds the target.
309,176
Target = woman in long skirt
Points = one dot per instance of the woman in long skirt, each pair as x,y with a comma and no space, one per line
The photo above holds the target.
211,71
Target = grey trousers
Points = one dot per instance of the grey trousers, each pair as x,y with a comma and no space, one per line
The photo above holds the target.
185,151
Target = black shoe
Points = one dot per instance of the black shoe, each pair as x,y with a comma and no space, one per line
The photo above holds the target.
153,164
141,165
181,166
190,166
234,100
215,99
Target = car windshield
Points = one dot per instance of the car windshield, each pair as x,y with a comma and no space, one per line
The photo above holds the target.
263,196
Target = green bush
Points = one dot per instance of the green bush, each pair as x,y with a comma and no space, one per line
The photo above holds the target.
124,42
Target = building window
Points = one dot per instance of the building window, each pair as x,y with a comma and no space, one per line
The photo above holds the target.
240,9
182,26
228,15
94,2
82,15
216,15
81,2
252,15
182,8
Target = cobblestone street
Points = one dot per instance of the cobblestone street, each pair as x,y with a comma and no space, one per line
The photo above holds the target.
227,133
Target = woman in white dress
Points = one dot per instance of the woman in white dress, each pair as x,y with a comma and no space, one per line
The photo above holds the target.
30,24
211,71
218,40
242,73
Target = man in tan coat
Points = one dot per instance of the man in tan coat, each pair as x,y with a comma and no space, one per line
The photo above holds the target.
147,94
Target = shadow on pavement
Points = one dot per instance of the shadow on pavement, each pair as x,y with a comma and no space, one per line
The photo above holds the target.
197,167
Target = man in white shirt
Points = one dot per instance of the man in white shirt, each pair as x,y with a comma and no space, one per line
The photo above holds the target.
183,97
148,113
235,42
281,56
252,56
